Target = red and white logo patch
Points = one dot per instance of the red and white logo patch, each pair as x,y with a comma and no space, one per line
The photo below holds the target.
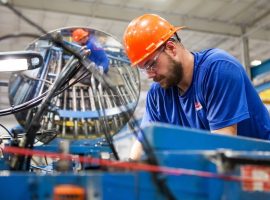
198,106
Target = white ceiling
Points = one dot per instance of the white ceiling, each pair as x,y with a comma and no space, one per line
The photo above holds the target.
211,23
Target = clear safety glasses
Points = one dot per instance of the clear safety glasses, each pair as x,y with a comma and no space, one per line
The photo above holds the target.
150,65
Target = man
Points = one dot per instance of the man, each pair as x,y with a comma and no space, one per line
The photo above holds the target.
206,90
98,55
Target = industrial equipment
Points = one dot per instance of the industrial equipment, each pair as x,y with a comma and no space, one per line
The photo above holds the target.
80,110
68,109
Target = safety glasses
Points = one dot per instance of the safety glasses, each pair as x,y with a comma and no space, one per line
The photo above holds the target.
150,65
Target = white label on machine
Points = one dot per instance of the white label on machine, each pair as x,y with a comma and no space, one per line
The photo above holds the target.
255,178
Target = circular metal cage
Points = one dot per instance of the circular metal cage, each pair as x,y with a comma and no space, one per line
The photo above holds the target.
85,107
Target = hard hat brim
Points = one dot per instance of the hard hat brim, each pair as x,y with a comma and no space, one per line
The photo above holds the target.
148,54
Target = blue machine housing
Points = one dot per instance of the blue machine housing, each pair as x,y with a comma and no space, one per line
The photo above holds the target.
174,147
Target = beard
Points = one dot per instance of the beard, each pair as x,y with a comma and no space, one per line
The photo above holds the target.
174,75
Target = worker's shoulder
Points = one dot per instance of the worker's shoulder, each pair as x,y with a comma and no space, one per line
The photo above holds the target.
210,56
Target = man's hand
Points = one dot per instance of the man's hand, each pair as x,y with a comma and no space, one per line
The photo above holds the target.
136,151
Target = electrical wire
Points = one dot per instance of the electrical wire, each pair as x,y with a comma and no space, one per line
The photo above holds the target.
37,79
19,14
162,186
33,102
16,35
11,135
46,160
40,29
133,166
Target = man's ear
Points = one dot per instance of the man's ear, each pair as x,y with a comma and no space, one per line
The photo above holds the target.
170,48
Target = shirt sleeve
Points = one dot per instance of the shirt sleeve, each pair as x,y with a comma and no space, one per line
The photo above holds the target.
98,54
225,94
153,102
150,113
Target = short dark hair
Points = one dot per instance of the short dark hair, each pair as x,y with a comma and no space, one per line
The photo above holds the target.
175,38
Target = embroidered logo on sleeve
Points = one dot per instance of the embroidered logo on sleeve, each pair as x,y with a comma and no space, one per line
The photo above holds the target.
198,106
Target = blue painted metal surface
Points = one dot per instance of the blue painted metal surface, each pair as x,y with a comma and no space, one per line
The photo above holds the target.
168,137
186,148
262,87
80,147
174,147
260,69
95,114
261,72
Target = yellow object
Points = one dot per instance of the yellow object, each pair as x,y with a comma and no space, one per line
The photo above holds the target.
265,96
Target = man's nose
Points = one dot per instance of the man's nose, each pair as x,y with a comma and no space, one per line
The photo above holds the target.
151,74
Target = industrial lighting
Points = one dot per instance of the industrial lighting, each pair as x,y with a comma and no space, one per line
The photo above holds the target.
13,65
20,60
255,62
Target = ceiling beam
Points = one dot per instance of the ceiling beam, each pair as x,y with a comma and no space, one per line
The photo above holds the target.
126,14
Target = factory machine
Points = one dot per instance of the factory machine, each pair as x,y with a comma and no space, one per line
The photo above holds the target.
68,111
261,79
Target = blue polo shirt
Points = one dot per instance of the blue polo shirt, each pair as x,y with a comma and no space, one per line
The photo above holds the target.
98,55
220,95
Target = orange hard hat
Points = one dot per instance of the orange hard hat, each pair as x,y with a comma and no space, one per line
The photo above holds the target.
78,34
144,35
